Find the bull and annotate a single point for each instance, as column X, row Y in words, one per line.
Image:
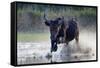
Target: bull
column 62, row 31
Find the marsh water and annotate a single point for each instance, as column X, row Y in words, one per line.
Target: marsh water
column 39, row 52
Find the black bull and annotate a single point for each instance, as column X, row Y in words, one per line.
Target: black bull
column 62, row 31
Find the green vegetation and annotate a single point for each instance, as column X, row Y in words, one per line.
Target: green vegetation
column 32, row 37
column 56, row 10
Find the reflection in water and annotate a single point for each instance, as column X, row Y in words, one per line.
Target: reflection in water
column 39, row 52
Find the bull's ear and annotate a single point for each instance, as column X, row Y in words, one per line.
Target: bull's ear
column 47, row 23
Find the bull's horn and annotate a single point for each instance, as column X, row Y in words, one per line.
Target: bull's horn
column 45, row 17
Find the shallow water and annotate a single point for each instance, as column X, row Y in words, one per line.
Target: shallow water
column 39, row 52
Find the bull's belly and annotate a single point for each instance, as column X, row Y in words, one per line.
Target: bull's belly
column 70, row 34
column 70, row 37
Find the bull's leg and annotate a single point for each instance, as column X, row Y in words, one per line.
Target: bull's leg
column 65, row 35
column 77, row 40
column 54, row 46
column 65, row 41
column 77, row 35
column 58, row 40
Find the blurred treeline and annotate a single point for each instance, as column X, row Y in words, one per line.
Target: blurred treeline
column 30, row 16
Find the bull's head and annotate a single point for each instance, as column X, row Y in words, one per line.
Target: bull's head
column 54, row 26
